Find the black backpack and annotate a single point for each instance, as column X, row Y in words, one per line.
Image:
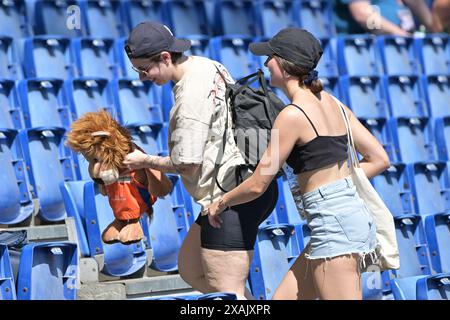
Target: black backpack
column 253, row 111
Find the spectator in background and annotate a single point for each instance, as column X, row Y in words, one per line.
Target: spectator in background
column 393, row 17
column 441, row 15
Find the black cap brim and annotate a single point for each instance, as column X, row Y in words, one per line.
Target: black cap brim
column 180, row 45
column 261, row 49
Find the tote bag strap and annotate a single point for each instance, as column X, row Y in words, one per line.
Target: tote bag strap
column 352, row 154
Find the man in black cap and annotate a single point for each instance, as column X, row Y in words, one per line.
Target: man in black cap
column 210, row 259
column 311, row 137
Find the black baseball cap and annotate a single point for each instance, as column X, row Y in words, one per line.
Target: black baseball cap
column 292, row 44
column 149, row 38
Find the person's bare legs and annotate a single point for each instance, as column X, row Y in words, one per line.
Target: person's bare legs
column 190, row 264
column 298, row 283
column 338, row 278
column 227, row 271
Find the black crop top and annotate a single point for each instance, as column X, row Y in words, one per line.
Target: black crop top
column 317, row 153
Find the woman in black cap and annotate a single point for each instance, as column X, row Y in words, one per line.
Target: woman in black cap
column 311, row 136
column 210, row 259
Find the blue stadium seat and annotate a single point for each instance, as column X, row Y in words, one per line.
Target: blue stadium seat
column 235, row 18
column 104, row 13
column 44, row 103
column 147, row 137
column 217, row 296
column 405, row 288
column 7, row 286
column 437, row 230
column 48, row 271
column 73, row 196
column 162, row 235
column 274, row 15
column 45, row 153
column 187, row 17
column 270, row 261
column 233, row 53
column 137, row 102
column 413, row 139
column 286, row 208
column 405, row 96
column 51, row 17
column 332, row 85
column 437, row 91
column 122, row 60
column 10, row 116
column 435, row 287
column 327, row 66
column 9, row 66
column 199, row 46
column 380, row 129
column 434, row 53
column 48, row 56
column 393, row 186
column 95, row 57
column 429, row 181
column 192, row 208
column 443, row 138
column 178, row 204
column 119, row 260
column 398, row 55
column 315, row 16
column 365, row 96
column 412, row 246
column 357, row 55
column 14, row 19
column 16, row 204
column 137, row 11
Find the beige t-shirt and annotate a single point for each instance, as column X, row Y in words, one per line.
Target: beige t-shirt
column 196, row 126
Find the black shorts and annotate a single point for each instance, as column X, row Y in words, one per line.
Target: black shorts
column 240, row 223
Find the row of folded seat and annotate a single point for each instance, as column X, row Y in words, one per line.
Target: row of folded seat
column 358, row 55
column 185, row 17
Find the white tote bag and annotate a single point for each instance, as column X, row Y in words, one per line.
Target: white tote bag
column 387, row 249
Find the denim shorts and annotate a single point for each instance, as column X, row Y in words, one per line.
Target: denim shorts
column 340, row 223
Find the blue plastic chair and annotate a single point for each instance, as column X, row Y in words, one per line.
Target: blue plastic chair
column 393, row 186
column 122, row 60
column 178, row 204
column 119, row 260
column 187, row 17
column 380, row 129
column 95, row 57
column 163, row 235
column 104, row 13
column 16, row 204
column 44, row 103
column 233, row 53
column 365, row 96
column 437, row 229
column 357, row 55
column 48, row 271
column 45, row 153
column 429, row 181
column 48, row 56
column 14, row 18
column 199, row 46
column 235, row 18
column 435, row 287
column 332, row 85
column 137, row 11
column 315, row 16
column 327, row 66
column 7, row 286
column 434, row 53
column 274, row 15
column 405, row 96
column 270, row 260
column 52, row 17
column 10, row 116
column 413, row 139
column 437, row 92
column 398, row 55
column 405, row 288
column 137, row 102
column 9, row 66
column 443, row 138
